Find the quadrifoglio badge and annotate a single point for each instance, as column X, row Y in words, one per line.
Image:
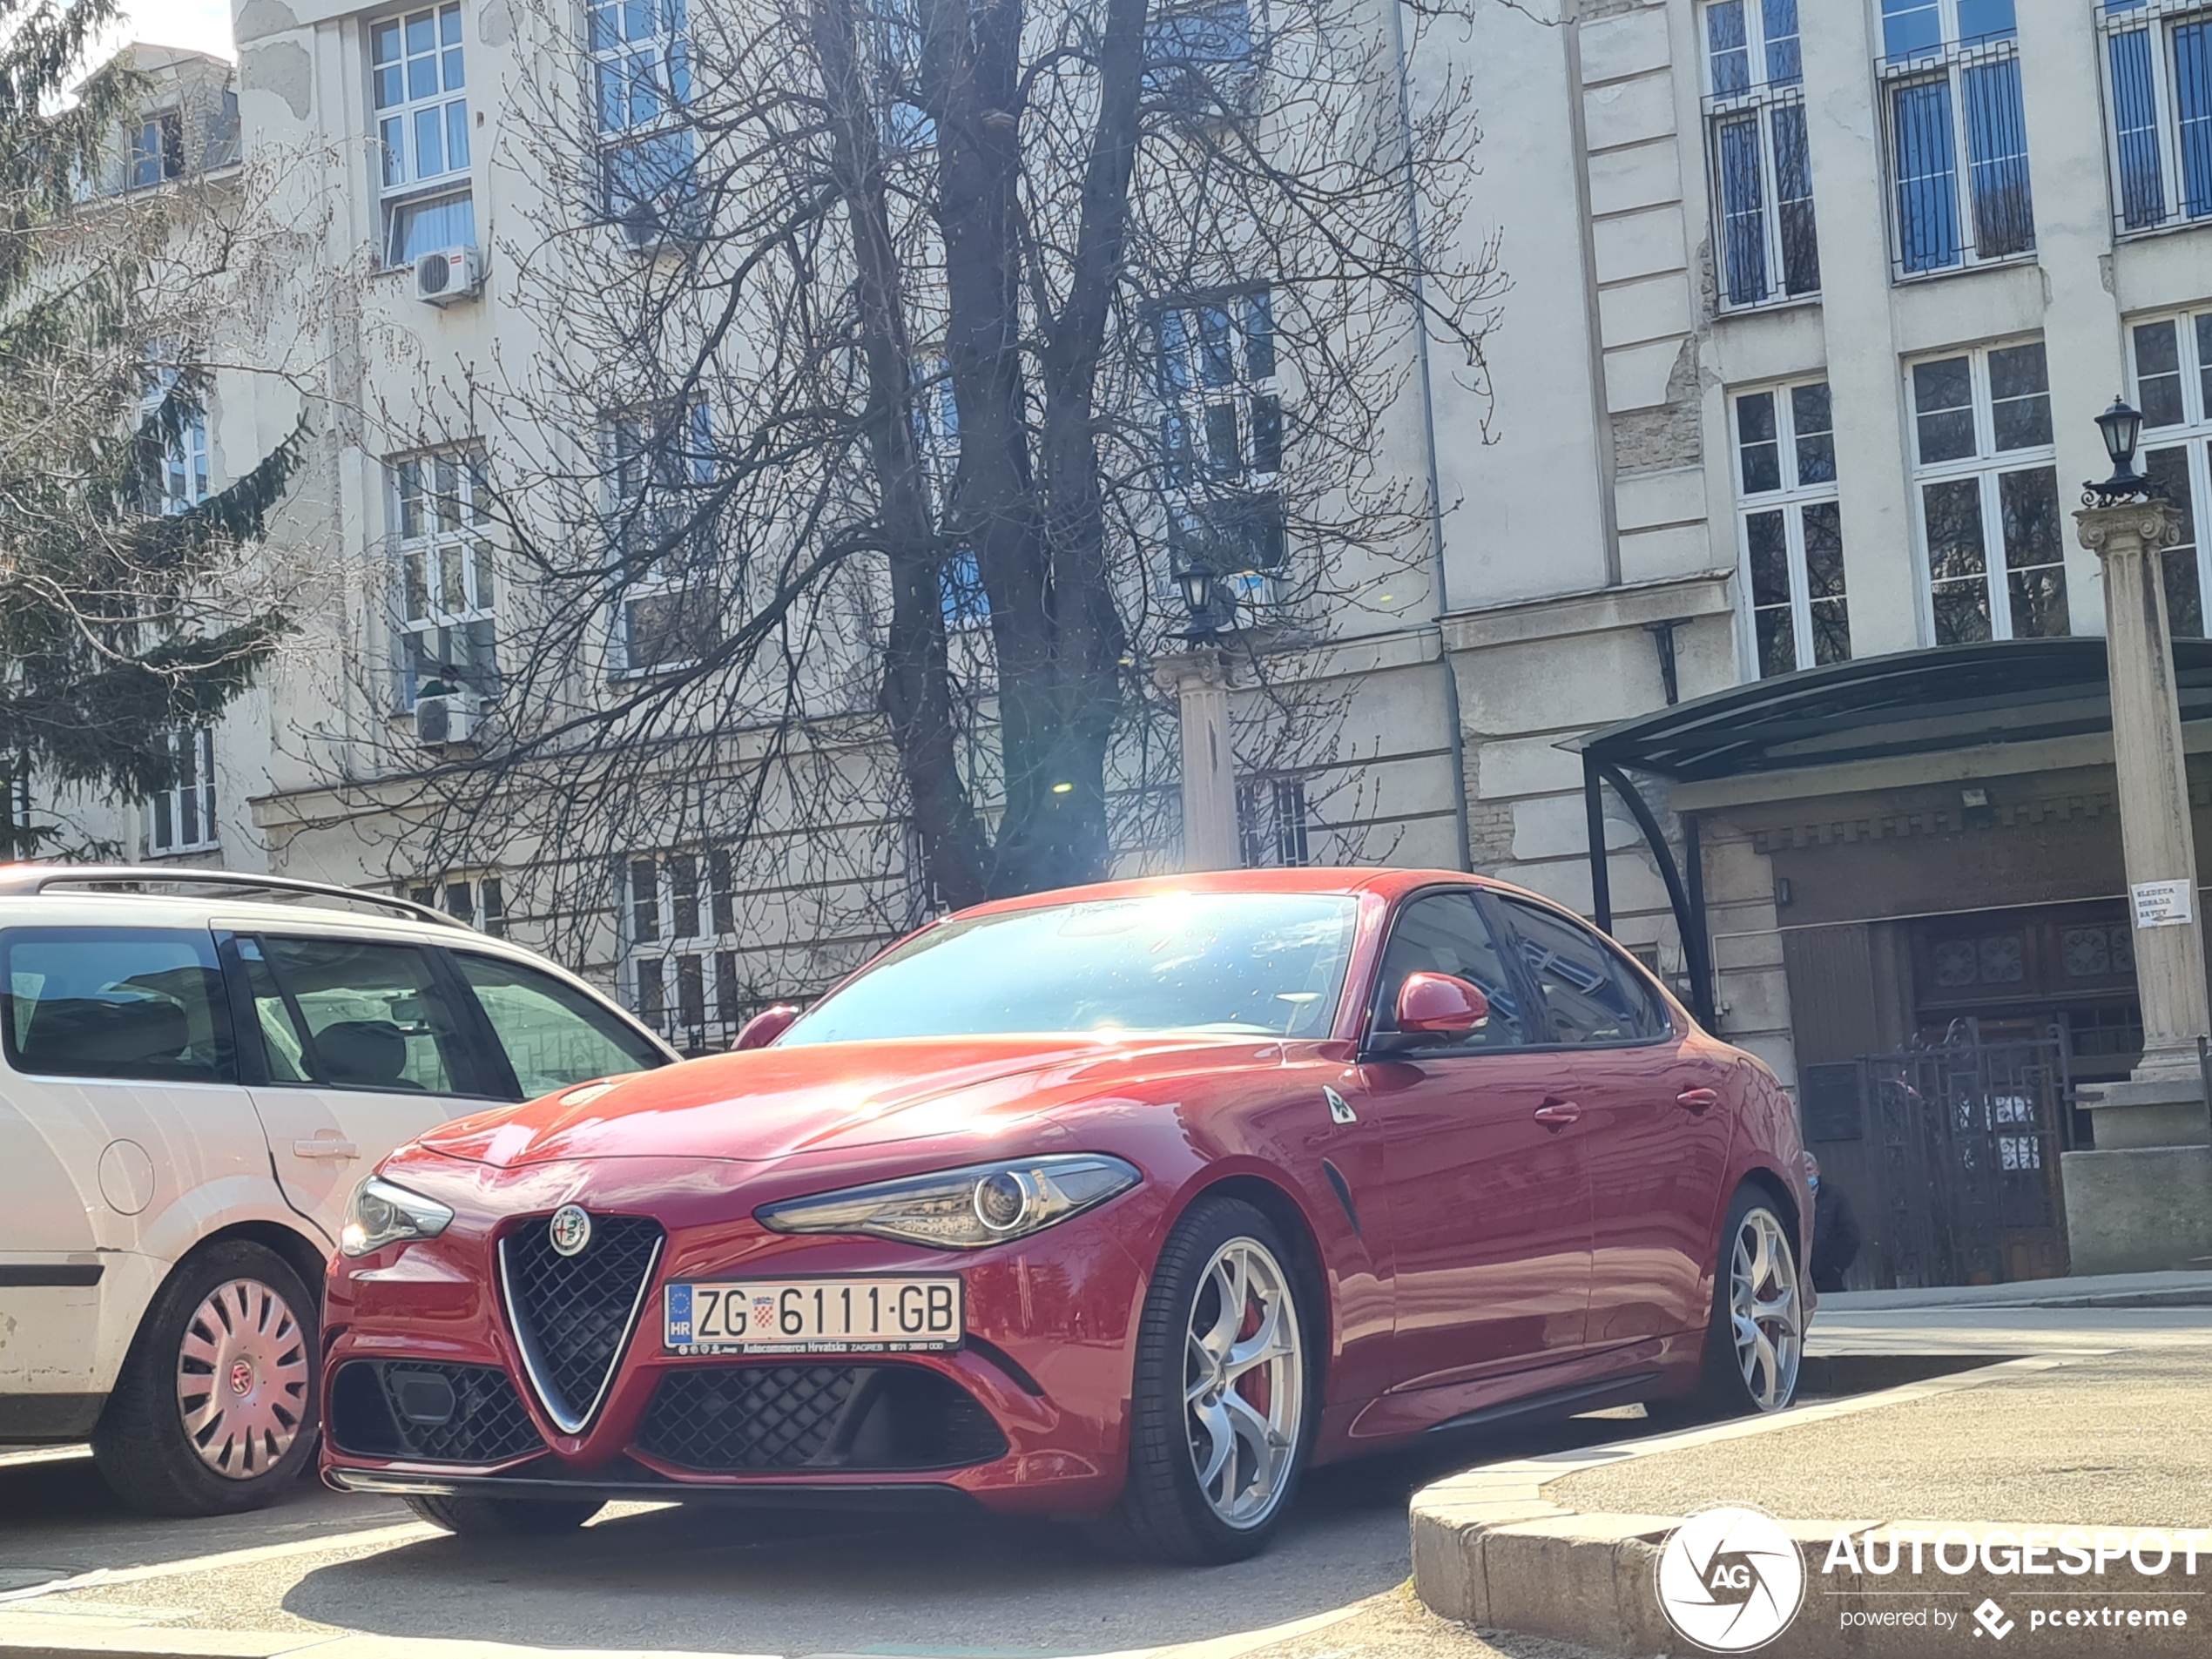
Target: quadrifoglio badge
column 1730, row 1579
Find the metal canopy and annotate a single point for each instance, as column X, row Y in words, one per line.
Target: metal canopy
column 1913, row 702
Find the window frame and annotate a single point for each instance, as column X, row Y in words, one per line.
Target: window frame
column 665, row 52
column 630, row 512
column 484, row 908
column 1790, row 500
column 2192, row 434
column 469, row 542
column 714, row 947
column 486, row 1031
column 1760, row 100
column 1276, row 824
column 222, row 1013
column 411, row 190
column 2160, row 21
column 201, row 785
column 1198, row 486
column 1643, row 980
column 1988, row 465
column 1948, row 63
column 1376, row 1021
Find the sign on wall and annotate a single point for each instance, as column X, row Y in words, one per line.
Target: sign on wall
column 2161, row 904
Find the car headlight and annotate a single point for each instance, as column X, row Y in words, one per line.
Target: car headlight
column 962, row 1209
column 382, row 1214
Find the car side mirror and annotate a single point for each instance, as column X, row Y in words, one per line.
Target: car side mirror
column 766, row 1027
column 1432, row 1008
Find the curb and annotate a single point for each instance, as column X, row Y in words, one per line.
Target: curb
column 1490, row 1550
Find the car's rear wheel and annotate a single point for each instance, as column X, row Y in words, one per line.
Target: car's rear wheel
column 1756, row 1338
column 1221, row 1408
column 505, row 1517
column 215, row 1410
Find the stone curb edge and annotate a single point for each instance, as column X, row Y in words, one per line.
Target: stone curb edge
column 1490, row 1550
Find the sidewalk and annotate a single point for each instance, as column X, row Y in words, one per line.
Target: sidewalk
column 2110, row 1289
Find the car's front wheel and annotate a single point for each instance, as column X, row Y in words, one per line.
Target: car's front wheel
column 214, row 1410
column 505, row 1517
column 1222, row 1401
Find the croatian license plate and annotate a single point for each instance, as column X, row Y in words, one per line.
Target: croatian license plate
column 814, row 1316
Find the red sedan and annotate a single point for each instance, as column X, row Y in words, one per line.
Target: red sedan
column 1136, row 1200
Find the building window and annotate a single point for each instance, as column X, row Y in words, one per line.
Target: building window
column 184, row 478
column 421, row 114
column 2157, row 61
column 1273, row 823
column 1760, row 174
column 157, row 150
column 1789, row 526
column 668, row 607
column 480, row 901
column 641, row 79
column 1990, row 520
column 1221, row 438
column 683, row 971
column 2171, row 358
column 448, row 587
column 183, row 814
column 1957, row 136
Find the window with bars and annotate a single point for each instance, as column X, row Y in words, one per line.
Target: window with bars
column 1274, row 825
column 1991, row 526
column 2171, row 359
column 1221, row 434
column 421, row 109
column 1790, row 526
column 2157, row 62
column 448, row 586
column 1957, row 134
column 642, row 81
column 181, row 818
column 1760, row 173
column 667, row 606
column 683, row 970
column 479, row 898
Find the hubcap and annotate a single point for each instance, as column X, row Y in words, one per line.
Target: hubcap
column 242, row 1379
column 1243, row 1382
column 1764, row 1309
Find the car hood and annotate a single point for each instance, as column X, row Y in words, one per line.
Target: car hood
column 771, row 1103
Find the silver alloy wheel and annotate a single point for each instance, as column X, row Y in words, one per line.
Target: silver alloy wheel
column 1765, row 1309
column 1243, row 1382
column 242, row 1379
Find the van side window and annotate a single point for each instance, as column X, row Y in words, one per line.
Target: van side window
column 126, row 1002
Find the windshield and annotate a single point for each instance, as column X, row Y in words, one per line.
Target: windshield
column 1262, row 964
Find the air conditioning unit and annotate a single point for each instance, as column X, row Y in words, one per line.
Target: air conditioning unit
column 446, row 720
column 448, row 276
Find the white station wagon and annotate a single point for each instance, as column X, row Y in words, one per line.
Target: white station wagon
column 193, row 1087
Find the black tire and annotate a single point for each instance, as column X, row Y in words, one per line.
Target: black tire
column 506, row 1517
column 1722, row 1389
column 1163, row 1513
column 142, row 1443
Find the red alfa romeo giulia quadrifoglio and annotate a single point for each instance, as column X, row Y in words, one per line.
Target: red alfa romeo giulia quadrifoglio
column 1136, row 1198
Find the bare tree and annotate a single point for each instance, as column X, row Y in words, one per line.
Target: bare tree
column 879, row 362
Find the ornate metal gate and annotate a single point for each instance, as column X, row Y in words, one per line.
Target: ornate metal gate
column 1961, row 1147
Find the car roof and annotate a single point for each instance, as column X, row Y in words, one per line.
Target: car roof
column 1350, row 879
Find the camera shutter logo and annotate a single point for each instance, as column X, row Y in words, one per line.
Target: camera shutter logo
column 1729, row 1579
column 569, row 1230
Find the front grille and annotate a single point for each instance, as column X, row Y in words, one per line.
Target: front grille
column 723, row 1419
column 572, row 1314
column 432, row 1413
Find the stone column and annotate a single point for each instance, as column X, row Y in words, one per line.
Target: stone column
column 2143, row 1198
column 1200, row 680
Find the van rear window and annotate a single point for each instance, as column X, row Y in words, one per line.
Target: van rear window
column 129, row 1002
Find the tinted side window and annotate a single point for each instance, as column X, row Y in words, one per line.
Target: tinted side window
column 360, row 1014
column 553, row 1034
column 1591, row 995
column 115, row 1002
column 1444, row 932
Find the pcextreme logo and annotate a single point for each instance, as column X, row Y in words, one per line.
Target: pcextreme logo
column 1729, row 1579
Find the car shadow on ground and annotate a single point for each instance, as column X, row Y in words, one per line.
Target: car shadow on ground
column 814, row 1584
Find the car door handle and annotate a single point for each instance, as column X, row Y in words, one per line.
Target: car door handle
column 319, row 1148
column 1698, row 1100
column 1558, row 1114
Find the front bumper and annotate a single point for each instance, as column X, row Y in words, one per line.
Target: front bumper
column 425, row 1390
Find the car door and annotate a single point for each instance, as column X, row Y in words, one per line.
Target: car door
column 549, row 1034
column 122, row 1105
column 1489, row 1204
column 362, row 1044
column 1654, row 1131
